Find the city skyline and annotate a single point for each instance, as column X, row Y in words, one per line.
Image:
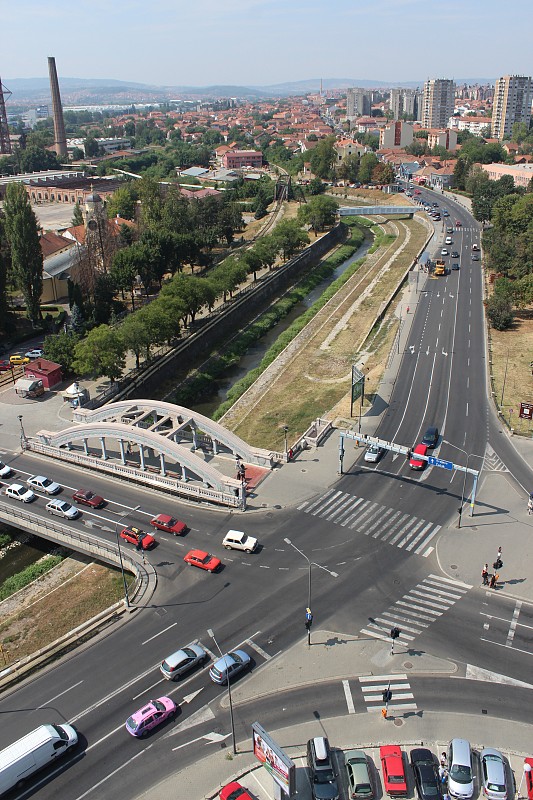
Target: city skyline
column 264, row 42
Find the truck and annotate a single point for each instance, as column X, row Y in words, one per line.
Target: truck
column 29, row 387
column 440, row 267
column 37, row 749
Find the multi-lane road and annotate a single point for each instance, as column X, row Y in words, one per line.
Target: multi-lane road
column 375, row 529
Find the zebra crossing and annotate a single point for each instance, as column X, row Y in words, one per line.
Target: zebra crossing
column 406, row 531
column 492, row 462
column 417, row 609
column 373, row 686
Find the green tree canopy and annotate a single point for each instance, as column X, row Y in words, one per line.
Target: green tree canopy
column 323, row 157
column 22, row 231
column 319, row 212
column 101, row 353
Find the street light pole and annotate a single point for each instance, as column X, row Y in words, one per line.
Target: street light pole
column 23, row 439
column 468, row 455
column 212, row 635
column 125, row 584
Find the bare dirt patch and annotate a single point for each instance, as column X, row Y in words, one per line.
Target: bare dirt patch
column 512, row 353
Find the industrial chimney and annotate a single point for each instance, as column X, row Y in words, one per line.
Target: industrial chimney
column 60, row 139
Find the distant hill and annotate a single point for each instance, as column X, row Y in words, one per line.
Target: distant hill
column 78, row 91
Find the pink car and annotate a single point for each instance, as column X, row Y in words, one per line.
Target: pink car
column 150, row 716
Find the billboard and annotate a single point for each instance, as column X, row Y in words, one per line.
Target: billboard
column 274, row 760
column 526, row 411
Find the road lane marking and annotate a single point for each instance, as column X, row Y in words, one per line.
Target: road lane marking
column 159, row 634
column 509, row 647
column 348, row 696
column 51, row 700
column 512, row 626
column 112, row 774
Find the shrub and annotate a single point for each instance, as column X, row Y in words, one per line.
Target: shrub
column 500, row 312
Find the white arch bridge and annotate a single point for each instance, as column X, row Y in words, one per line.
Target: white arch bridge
column 158, row 444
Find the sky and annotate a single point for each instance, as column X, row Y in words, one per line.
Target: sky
column 263, row 42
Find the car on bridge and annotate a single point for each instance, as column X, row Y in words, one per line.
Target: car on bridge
column 5, row 470
column 87, row 498
column 203, row 560
column 62, row 509
column 19, row 492
column 141, row 540
column 393, row 770
column 150, row 716
column 164, row 522
column 43, row 484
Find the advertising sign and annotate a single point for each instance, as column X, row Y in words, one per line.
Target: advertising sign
column 274, row 760
column 526, row 411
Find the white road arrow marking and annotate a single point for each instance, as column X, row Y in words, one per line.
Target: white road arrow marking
column 444, row 352
column 412, row 349
column 189, row 697
column 210, row 738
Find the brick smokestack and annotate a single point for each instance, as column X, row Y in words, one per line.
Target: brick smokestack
column 60, row 139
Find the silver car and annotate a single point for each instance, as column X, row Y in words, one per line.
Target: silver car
column 373, row 453
column 62, row 509
column 174, row 666
column 43, row 484
column 493, row 774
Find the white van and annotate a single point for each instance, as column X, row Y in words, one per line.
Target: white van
column 460, row 777
column 18, row 761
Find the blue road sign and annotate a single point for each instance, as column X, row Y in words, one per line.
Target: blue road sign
column 439, row 462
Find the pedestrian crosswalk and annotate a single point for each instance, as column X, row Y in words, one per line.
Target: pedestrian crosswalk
column 417, row 609
column 373, row 686
column 411, row 533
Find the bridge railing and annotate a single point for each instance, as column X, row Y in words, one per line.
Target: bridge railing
column 174, row 485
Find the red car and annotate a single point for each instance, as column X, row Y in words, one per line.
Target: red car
column 418, row 463
column 5, row 366
column 87, row 498
column 163, row 522
column 141, row 540
column 234, row 791
column 392, row 767
column 529, row 777
column 199, row 558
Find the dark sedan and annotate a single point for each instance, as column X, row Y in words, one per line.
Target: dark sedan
column 423, row 763
column 87, row 498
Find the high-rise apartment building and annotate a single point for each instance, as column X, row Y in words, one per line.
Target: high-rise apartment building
column 438, row 101
column 405, row 103
column 357, row 103
column 512, row 103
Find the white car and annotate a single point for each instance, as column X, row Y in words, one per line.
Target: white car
column 448, row 240
column 37, row 353
column 373, row 453
column 19, row 492
column 238, row 540
column 62, row 509
column 444, row 252
column 43, row 484
column 5, row 471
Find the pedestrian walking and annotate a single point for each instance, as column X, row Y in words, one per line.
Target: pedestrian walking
column 530, row 504
column 498, row 564
column 443, row 759
column 485, row 578
column 494, row 580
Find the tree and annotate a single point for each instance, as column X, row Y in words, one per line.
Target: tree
column 77, row 322
column 101, row 353
column 266, row 249
column 77, row 215
column 122, row 203
column 103, row 295
column 123, row 271
column 26, row 256
column 4, row 265
column 316, row 186
column 500, row 312
column 323, row 157
column 383, row 173
column 289, row 237
column 92, row 148
column 136, row 335
column 61, row 347
column 348, row 170
column 319, row 212
column 368, row 163
column 35, row 159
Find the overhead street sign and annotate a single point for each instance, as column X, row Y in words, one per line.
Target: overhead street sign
column 439, row 462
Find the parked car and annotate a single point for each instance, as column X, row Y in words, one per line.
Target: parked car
column 393, row 770
column 426, row 775
column 182, row 661
column 43, row 484
column 234, row 791
column 19, row 492
column 141, row 540
column 238, row 540
column 5, row 470
column 359, row 783
column 418, row 463
column 373, row 453
column 36, row 353
column 150, row 716
column 460, row 774
column 323, row 778
column 431, row 436
column 203, row 560
column 62, row 509
column 164, row 522
column 493, row 774
column 87, row 498
column 17, row 359
column 229, row 666
column 5, row 366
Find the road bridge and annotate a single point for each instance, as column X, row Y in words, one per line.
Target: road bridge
column 158, row 444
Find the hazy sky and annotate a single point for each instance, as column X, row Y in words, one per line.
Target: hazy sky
column 259, row 42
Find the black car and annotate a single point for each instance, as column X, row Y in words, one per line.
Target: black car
column 475, row 257
column 455, row 266
column 455, row 254
column 423, row 763
column 431, row 437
